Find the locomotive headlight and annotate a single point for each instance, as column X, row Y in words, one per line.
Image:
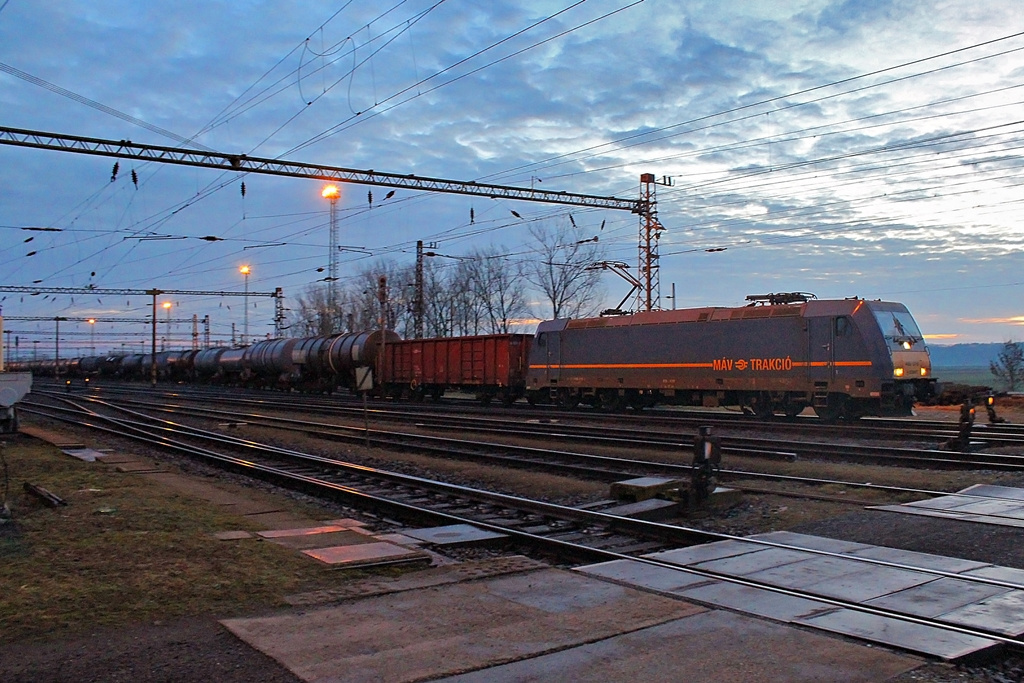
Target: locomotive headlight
column 907, row 345
column 924, row 371
column 898, row 372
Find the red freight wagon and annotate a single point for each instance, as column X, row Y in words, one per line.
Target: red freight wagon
column 490, row 366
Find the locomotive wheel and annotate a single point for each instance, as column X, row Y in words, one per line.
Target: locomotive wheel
column 835, row 409
column 794, row 408
column 567, row 400
column 759, row 405
column 612, row 402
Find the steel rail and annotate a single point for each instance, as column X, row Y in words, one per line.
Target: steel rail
column 998, row 434
column 737, row 445
column 597, row 466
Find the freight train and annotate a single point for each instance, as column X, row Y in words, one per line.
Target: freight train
column 781, row 353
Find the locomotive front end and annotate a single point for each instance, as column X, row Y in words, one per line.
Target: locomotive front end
column 911, row 363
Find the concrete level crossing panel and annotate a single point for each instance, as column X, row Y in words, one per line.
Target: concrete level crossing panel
column 993, row 491
column 917, row 586
column 951, row 515
column 868, row 583
column 905, row 635
column 910, row 558
column 1008, row 575
column 750, row 563
column 643, row 575
column 703, row 553
column 829, row 545
column 812, row 571
column 757, row 601
column 711, row 646
column 936, row 597
column 982, row 503
column 1003, row 613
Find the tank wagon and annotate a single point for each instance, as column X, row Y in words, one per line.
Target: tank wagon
column 781, row 353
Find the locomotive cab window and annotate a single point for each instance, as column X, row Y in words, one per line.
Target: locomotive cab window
column 900, row 330
column 843, row 326
column 542, row 339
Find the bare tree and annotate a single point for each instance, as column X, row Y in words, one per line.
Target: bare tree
column 1009, row 368
column 497, row 285
column 312, row 315
column 440, row 297
column 468, row 309
column 371, row 306
column 563, row 270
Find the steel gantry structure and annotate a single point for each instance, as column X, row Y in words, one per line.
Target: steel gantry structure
column 644, row 206
column 194, row 320
column 126, row 149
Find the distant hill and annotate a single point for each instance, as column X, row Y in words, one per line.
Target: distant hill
column 964, row 355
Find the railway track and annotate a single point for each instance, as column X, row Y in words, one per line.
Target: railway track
column 875, row 429
column 566, row 533
column 636, row 435
column 567, row 463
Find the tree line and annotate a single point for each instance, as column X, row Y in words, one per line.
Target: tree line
column 1009, row 367
column 486, row 291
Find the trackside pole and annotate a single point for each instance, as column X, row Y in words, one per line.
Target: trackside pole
column 364, row 383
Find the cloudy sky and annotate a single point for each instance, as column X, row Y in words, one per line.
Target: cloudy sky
column 865, row 148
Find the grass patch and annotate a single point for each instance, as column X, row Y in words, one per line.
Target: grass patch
column 974, row 376
column 126, row 550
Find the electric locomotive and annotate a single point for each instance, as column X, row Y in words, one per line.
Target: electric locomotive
column 781, row 353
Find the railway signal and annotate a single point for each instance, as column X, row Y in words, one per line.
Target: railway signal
column 707, row 462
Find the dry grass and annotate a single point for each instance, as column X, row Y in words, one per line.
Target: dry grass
column 125, row 550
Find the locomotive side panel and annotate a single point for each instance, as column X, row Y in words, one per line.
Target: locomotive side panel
column 712, row 355
column 824, row 354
